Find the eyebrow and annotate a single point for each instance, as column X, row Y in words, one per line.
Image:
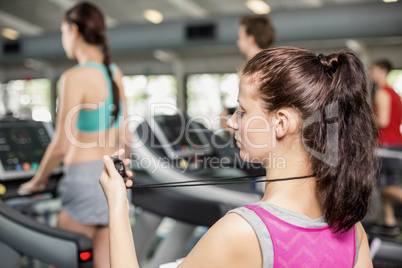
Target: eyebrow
column 240, row 104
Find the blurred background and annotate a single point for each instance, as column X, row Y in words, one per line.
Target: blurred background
column 182, row 52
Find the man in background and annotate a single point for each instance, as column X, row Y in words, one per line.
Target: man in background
column 388, row 111
column 255, row 34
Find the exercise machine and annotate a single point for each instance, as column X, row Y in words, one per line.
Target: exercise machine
column 22, row 145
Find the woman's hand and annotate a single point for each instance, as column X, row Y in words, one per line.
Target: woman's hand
column 113, row 184
column 31, row 186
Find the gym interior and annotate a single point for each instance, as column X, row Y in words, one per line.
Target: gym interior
column 179, row 73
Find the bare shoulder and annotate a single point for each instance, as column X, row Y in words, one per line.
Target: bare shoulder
column 73, row 72
column 118, row 72
column 360, row 231
column 73, row 76
column 79, row 80
column 118, row 76
column 363, row 257
column 381, row 95
column 66, row 74
column 231, row 242
column 67, row 78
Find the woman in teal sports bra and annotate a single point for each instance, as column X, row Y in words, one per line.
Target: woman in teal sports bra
column 90, row 123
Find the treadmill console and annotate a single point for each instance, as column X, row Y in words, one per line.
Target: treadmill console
column 180, row 137
column 22, row 146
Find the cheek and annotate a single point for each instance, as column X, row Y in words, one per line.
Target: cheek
column 239, row 42
column 64, row 41
column 67, row 45
column 256, row 131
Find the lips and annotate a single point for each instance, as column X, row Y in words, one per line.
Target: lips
column 238, row 143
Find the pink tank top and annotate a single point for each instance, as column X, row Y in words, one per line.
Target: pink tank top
column 296, row 246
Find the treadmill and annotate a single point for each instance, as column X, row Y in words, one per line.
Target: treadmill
column 22, row 145
column 389, row 253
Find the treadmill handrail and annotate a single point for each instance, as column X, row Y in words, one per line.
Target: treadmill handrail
column 167, row 203
column 26, row 246
column 388, row 153
column 83, row 242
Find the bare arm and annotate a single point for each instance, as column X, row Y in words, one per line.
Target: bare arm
column 382, row 102
column 125, row 135
column 363, row 257
column 122, row 250
column 59, row 145
column 231, row 242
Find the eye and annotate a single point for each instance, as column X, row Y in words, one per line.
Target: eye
column 239, row 112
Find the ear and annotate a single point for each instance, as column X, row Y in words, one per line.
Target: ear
column 74, row 29
column 285, row 122
column 251, row 39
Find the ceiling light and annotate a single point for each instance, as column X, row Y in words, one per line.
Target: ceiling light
column 354, row 45
column 165, row 56
column 389, row 1
column 258, row 6
column 153, row 16
column 10, row 33
column 190, row 7
column 24, row 27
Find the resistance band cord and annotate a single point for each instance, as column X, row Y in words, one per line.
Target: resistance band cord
column 215, row 181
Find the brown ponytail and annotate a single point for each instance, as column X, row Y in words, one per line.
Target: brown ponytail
column 345, row 189
column 115, row 89
column 91, row 24
column 338, row 130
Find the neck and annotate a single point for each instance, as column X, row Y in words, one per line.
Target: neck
column 252, row 52
column 89, row 53
column 298, row 195
column 382, row 82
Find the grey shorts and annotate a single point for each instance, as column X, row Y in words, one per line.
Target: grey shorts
column 82, row 195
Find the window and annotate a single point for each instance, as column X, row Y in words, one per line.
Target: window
column 27, row 99
column 395, row 80
column 207, row 94
column 149, row 95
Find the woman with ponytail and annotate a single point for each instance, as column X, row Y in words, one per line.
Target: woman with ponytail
column 303, row 116
column 89, row 124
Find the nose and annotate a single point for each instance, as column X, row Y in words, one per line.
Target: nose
column 232, row 122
